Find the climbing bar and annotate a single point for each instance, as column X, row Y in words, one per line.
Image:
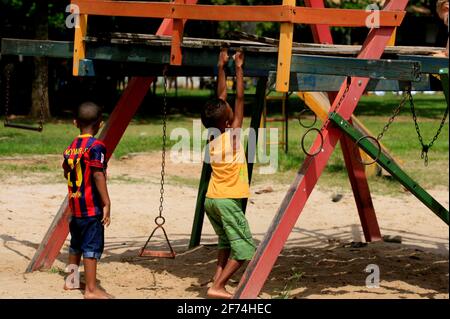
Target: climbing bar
column 269, row 13
column 389, row 165
column 205, row 56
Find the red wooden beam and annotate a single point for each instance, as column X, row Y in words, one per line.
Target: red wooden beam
column 345, row 103
column 355, row 169
column 176, row 55
column 124, row 111
column 361, row 190
column 321, row 32
column 274, row 13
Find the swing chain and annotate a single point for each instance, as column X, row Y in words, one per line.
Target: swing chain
column 395, row 113
column 425, row 147
column 43, row 86
column 163, row 162
column 7, row 98
column 7, row 89
column 344, row 95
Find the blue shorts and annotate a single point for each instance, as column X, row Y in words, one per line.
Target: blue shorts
column 87, row 236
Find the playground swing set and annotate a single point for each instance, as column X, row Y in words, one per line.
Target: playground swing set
column 287, row 68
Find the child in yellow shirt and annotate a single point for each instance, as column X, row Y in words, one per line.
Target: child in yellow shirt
column 229, row 179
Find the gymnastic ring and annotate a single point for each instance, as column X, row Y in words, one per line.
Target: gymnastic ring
column 319, row 132
column 300, row 118
column 356, row 147
column 159, row 220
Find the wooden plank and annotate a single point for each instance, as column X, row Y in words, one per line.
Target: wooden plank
column 274, row 13
column 199, row 215
column 328, row 48
column 382, row 69
column 344, row 18
column 64, row 49
column 206, row 57
column 302, row 82
column 431, row 65
column 79, row 48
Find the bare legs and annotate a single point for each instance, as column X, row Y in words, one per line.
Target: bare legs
column 74, row 260
column 90, row 271
column 222, row 259
column 225, row 270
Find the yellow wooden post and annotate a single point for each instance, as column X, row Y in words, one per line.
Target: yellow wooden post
column 79, row 48
column 285, row 53
column 393, row 38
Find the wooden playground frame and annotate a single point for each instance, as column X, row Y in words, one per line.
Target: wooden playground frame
column 337, row 128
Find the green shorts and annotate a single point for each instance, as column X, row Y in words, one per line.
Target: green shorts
column 231, row 226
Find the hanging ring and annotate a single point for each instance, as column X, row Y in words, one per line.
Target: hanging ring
column 321, row 142
column 159, row 220
column 356, row 148
column 300, row 118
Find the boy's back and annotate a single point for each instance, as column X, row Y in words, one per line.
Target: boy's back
column 80, row 156
column 229, row 177
column 85, row 170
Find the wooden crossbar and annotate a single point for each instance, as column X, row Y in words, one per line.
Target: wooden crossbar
column 272, row 13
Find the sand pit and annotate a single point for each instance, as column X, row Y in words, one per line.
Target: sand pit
column 317, row 262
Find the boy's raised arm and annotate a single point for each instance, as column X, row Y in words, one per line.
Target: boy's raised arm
column 239, row 105
column 221, row 76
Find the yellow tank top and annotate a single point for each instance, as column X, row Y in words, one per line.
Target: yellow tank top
column 229, row 178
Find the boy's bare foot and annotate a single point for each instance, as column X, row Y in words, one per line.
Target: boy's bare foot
column 97, row 294
column 214, row 293
column 82, row 287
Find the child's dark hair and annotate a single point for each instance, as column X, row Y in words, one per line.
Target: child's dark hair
column 213, row 112
column 88, row 114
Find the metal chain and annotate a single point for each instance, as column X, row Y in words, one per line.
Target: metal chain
column 43, row 86
column 425, row 147
column 7, row 88
column 344, row 95
column 395, row 113
column 164, row 139
column 7, row 98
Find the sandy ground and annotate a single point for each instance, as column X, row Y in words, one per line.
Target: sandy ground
column 317, row 262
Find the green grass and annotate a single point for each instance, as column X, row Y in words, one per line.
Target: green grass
column 144, row 135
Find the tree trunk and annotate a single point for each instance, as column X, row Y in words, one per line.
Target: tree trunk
column 39, row 93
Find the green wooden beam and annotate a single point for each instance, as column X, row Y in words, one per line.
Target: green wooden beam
column 303, row 82
column 389, row 165
column 207, row 57
column 199, row 214
column 429, row 64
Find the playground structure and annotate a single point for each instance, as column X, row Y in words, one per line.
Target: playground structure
column 288, row 68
